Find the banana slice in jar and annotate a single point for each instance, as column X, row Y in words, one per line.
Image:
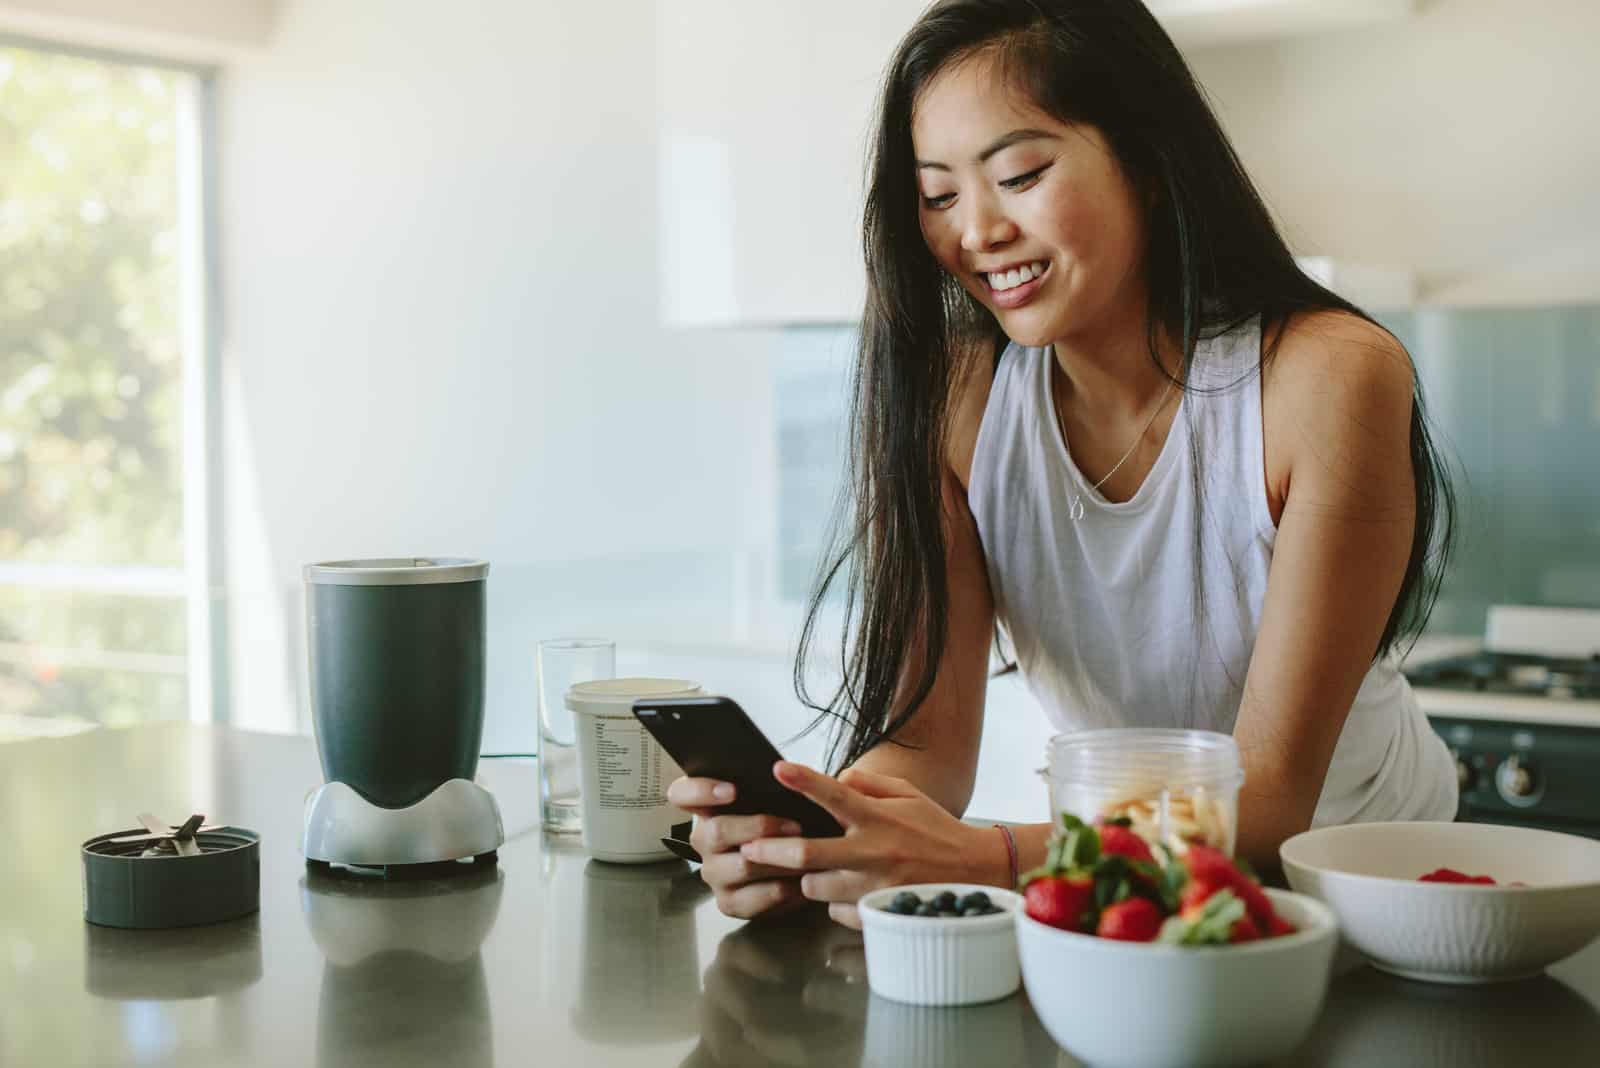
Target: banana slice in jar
column 1192, row 817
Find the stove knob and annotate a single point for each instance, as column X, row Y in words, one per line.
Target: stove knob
column 1466, row 778
column 1516, row 781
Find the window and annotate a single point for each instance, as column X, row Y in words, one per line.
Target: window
column 104, row 538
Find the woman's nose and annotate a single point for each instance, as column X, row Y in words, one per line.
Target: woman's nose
column 985, row 228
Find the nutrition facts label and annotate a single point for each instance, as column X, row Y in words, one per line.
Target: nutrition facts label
column 629, row 766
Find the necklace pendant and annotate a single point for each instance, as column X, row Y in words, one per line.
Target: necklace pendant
column 1076, row 511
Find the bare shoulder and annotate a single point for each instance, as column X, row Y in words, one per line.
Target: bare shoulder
column 969, row 397
column 1337, row 394
column 1321, row 348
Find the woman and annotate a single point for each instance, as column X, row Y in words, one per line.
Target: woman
column 1098, row 404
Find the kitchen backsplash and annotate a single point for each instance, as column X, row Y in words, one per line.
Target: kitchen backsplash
column 1514, row 399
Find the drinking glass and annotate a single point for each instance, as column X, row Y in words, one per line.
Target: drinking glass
column 562, row 662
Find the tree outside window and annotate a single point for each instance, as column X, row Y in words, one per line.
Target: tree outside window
column 93, row 616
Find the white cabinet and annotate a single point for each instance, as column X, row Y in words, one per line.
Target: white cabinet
column 763, row 117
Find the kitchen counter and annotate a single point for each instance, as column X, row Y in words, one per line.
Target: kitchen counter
column 548, row 958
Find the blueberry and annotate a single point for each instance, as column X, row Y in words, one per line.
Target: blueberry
column 975, row 900
column 905, row 903
column 927, row 909
column 944, row 901
column 992, row 910
column 974, row 910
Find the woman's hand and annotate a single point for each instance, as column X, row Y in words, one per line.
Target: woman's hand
column 743, row 889
column 893, row 834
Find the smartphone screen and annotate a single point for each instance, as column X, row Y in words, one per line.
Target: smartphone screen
column 713, row 738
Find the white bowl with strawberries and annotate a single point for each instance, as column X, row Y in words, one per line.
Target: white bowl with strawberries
column 1135, row 958
column 1453, row 902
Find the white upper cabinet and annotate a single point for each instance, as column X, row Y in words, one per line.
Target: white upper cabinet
column 763, row 117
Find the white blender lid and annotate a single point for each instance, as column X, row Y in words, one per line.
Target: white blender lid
column 397, row 571
column 615, row 697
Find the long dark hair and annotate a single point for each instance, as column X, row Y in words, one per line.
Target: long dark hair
column 1213, row 260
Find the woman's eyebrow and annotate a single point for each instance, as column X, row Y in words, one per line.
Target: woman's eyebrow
column 999, row 145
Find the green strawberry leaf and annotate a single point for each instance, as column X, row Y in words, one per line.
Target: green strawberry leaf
column 1222, row 910
column 1213, row 927
column 1111, row 881
column 1080, row 843
column 1169, row 885
column 1173, row 931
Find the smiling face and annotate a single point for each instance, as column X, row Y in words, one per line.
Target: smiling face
column 1035, row 217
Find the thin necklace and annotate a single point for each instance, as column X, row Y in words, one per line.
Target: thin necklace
column 1076, row 511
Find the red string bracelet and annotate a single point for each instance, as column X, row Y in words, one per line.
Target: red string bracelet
column 1011, row 853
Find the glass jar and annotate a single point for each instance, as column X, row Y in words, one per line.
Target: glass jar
column 1173, row 786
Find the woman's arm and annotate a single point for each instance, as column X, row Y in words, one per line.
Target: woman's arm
column 1336, row 425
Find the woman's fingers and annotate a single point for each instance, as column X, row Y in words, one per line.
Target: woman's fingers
column 722, row 834
column 760, row 898
column 845, row 887
column 727, row 871
column 845, row 914
column 842, row 803
column 687, row 793
column 803, row 854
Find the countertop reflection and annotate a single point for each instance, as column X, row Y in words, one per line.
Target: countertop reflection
column 547, row 957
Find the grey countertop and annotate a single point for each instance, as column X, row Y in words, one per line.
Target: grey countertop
column 547, row 959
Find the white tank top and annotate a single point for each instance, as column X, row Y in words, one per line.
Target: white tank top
column 1102, row 614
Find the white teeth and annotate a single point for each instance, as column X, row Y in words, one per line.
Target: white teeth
column 1016, row 276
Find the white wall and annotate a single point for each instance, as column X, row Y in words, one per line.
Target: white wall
column 1459, row 143
column 441, row 297
column 441, row 303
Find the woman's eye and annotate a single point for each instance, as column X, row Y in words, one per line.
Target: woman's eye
column 940, row 201
column 1024, row 179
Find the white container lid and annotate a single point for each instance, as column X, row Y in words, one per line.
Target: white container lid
column 615, row 697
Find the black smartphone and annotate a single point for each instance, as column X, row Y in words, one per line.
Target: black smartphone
column 713, row 738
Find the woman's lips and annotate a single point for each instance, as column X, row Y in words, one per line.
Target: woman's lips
column 1017, row 295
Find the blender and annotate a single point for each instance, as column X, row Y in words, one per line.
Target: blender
column 397, row 681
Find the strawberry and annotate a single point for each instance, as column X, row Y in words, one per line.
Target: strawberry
column 1117, row 840
column 1450, row 875
column 1277, row 925
column 1214, row 866
column 1136, row 919
column 1244, row 930
column 1219, row 919
column 1059, row 900
column 1196, row 892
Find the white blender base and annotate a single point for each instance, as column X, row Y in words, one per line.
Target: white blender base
column 459, row 819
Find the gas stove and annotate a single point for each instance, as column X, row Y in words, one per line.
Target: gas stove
column 1521, row 714
column 1519, row 674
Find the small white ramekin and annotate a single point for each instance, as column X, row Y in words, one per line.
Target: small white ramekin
column 929, row 960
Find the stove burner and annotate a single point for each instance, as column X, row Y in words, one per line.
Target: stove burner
column 1518, row 674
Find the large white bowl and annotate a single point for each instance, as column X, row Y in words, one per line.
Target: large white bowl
column 1142, row 1005
column 1452, row 933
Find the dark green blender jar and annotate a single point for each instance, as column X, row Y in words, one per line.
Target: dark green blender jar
column 396, row 652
